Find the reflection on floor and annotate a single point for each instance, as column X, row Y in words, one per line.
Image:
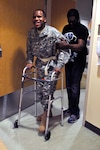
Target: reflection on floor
column 67, row 137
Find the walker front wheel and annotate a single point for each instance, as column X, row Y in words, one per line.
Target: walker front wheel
column 16, row 124
column 47, row 135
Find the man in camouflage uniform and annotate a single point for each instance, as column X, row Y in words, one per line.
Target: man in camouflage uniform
column 41, row 43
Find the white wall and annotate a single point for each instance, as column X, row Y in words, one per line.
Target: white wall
column 85, row 9
column 93, row 80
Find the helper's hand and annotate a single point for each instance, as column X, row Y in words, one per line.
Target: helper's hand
column 57, row 70
column 62, row 44
column 29, row 65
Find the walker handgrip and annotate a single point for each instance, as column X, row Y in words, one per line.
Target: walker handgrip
column 26, row 68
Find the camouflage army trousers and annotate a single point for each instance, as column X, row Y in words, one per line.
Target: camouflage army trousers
column 45, row 88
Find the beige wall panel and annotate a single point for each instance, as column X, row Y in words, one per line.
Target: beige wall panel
column 15, row 21
column 92, row 109
column 58, row 13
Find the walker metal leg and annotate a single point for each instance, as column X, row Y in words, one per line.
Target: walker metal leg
column 62, row 113
column 35, row 93
column 62, row 116
column 17, row 122
column 25, row 76
column 35, row 96
column 47, row 133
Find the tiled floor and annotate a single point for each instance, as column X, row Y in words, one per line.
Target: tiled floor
column 67, row 137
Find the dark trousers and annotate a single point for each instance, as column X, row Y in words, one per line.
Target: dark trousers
column 74, row 71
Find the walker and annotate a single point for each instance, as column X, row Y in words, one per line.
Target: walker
column 30, row 75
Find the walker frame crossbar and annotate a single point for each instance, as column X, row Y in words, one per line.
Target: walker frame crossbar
column 29, row 74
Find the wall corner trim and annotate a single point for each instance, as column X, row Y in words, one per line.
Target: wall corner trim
column 92, row 127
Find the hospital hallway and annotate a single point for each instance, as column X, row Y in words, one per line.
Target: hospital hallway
column 66, row 137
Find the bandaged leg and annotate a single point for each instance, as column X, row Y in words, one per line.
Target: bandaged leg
column 43, row 118
column 39, row 118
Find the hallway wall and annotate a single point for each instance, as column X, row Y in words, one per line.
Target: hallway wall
column 92, row 113
column 15, row 21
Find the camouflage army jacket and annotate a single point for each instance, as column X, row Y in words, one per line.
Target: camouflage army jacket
column 43, row 45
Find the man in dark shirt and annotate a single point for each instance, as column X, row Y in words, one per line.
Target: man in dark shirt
column 76, row 34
